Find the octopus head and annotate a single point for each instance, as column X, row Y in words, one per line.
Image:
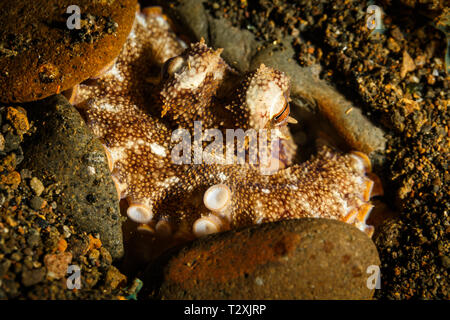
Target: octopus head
column 192, row 78
column 267, row 98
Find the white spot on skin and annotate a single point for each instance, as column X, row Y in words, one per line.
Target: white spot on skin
column 158, row 150
column 109, row 107
column 222, row 177
column 116, row 73
column 117, row 153
column 168, row 182
column 265, row 190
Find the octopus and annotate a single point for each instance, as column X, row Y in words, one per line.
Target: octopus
column 160, row 94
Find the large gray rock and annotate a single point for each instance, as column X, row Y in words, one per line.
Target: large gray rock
column 239, row 45
column 293, row 259
column 63, row 152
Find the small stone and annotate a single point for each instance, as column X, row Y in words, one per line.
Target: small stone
column 393, row 45
column 28, row 262
column 62, row 245
column 445, row 261
column 25, row 173
column 114, row 278
column 12, row 142
column 4, row 267
column 2, row 142
column 408, row 64
column 37, row 186
column 36, row 203
column 94, row 254
column 397, row 34
column 94, row 243
column 34, row 238
column 420, row 60
column 57, row 264
column 66, row 232
column 18, row 119
column 2, row 199
column 13, row 179
column 106, row 256
column 16, row 256
column 79, row 247
column 32, row 277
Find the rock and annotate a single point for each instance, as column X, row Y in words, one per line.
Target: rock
column 2, row 143
column 18, row 119
column 41, row 56
column 345, row 117
column 4, row 266
column 32, row 277
column 64, row 153
column 239, row 45
column 408, row 64
column 33, row 238
column 114, row 278
column 192, row 16
column 446, row 261
column 36, row 203
column 393, row 45
column 292, row 259
column 37, row 186
column 57, row 264
column 12, row 142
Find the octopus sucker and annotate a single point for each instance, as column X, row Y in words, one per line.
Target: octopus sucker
column 139, row 212
column 163, row 229
column 217, row 198
column 207, row 225
column 136, row 118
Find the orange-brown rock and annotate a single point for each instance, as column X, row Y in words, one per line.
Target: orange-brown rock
column 41, row 56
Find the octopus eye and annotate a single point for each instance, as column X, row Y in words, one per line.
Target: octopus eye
column 171, row 66
column 282, row 117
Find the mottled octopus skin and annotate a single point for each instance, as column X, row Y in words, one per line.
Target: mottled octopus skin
column 134, row 110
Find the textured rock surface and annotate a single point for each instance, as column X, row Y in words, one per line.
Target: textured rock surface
column 294, row 259
column 64, row 152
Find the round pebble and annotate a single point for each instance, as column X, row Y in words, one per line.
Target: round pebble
column 294, row 259
column 47, row 53
column 37, row 186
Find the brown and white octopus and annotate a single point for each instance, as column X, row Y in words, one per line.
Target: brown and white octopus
column 159, row 84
